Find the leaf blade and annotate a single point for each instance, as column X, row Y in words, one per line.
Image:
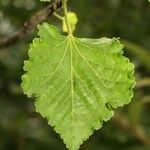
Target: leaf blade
column 74, row 80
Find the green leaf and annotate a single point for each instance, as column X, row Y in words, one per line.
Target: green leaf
column 77, row 82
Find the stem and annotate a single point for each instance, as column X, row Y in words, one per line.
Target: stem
column 58, row 16
column 64, row 3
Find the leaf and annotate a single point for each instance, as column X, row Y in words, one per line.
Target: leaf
column 73, row 20
column 77, row 82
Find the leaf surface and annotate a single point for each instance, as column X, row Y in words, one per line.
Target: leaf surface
column 77, row 82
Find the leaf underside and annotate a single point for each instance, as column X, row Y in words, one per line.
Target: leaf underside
column 77, row 82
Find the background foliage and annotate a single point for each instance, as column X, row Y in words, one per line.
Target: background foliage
column 21, row 128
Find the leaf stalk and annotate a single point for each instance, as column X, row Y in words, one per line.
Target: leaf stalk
column 58, row 16
column 64, row 3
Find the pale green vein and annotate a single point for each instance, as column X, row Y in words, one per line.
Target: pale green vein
column 92, row 48
column 61, row 60
column 87, row 63
column 82, row 101
column 60, row 89
column 86, row 86
column 71, row 72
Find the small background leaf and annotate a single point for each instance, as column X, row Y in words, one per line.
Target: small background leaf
column 73, row 19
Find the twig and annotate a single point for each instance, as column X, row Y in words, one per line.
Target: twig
column 145, row 82
column 136, row 130
column 146, row 99
column 30, row 24
column 139, row 52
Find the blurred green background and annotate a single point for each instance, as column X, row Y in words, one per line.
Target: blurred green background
column 21, row 128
